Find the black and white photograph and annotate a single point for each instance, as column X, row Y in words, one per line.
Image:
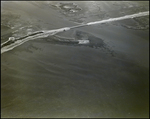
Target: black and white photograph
column 74, row 59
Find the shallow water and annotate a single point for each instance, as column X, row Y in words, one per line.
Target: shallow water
column 48, row 78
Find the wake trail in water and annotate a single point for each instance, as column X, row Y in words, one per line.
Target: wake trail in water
column 11, row 44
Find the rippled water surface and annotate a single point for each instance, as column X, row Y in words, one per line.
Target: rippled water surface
column 104, row 74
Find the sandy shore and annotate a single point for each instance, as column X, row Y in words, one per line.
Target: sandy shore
column 107, row 78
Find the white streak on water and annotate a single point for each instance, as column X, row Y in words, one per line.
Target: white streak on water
column 83, row 41
column 120, row 18
column 52, row 32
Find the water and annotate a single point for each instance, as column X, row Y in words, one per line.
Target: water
column 56, row 76
column 52, row 32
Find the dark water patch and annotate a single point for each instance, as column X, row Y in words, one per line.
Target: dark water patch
column 82, row 39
